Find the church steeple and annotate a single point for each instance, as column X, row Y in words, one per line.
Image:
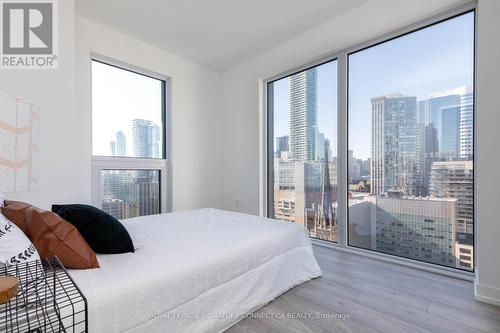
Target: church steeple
column 326, row 191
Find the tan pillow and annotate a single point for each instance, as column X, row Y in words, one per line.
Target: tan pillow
column 14, row 211
column 54, row 236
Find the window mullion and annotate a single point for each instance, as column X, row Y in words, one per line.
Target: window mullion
column 342, row 209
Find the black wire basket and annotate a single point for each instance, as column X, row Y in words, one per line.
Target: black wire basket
column 47, row 300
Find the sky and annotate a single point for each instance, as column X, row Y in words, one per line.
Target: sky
column 431, row 60
column 118, row 97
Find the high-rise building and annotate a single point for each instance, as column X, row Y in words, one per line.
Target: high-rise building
column 144, row 192
column 427, row 148
column 140, row 132
column 115, row 192
column 417, row 228
column 290, row 189
column 356, row 169
column 454, row 179
column 281, row 144
column 443, row 108
column 112, row 148
column 365, row 167
column 320, row 146
column 121, row 144
column 467, row 125
column 394, row 149
column 422, row 112
column 130, row 193
column 155, row 139
column 449, row 142
column 464, row 251
column 146, row 138
column 300, row 188
column 113, row 207
column 303, row 115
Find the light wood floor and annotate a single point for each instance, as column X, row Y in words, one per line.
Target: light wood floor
column 378, row 297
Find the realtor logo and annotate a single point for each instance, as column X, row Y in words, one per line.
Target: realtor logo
column 28, row 34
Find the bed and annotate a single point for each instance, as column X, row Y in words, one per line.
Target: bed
column 195, row 271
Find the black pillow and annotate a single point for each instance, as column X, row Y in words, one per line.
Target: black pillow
column 103, row 232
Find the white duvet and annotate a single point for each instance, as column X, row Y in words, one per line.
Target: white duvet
column 195, row 271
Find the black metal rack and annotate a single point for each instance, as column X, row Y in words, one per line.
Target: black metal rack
column 47, row 300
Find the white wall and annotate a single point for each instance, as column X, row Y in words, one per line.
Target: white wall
column 195, row 108
column 64, row 99
column 241, row 84
column 488, row 161
column 54, row 92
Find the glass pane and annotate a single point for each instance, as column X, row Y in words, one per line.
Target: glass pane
column 130, row 193
column 410, row 161
column 304, row 113
column 127, row 113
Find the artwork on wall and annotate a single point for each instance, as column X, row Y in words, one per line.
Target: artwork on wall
column 19, row 144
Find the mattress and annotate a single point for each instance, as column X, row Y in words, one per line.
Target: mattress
column 195, row 271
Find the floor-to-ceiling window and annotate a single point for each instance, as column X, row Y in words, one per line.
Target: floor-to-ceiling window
column 406, row 161
column 410, row 122
column 303, row 149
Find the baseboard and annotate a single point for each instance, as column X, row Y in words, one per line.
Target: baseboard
column 486, row 294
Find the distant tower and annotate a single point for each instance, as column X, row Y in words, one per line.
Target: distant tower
column 281, row 144
column 466, row 125
column 121, row 144
column 303, row 115
column 443, row 113
column 350, row 165
column 140, row 131
column 154, row 133
column 449, row 143
column 320, row 146
column 146, row 138
column 427, row 151
column 112, row 148
column 394, row 148
column 422, row 112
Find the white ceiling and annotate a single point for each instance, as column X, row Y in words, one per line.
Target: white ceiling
column 216, row 33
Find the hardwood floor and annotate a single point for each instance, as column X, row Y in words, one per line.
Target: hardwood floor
column 373, row 296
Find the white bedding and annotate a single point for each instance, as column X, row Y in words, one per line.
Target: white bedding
column 195, row 271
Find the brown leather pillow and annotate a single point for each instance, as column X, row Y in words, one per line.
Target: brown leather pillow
column 14, row 211
column 52, row 235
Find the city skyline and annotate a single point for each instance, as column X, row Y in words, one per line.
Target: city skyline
column 119, row 97
column 146, row 140
column 403, row 69
column 130, row 193
column 434, row 175
column 409, row 154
